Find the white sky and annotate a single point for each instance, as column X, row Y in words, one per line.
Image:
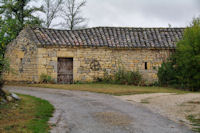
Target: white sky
column 140, row 13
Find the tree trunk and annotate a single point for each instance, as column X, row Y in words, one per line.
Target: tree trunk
column 2, row 93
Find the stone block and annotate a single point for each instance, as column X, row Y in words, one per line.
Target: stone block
column 52, row 53
column 20, row 54
column 65, row 54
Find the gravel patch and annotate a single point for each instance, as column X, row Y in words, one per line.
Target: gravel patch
column 113, row 118
column 173, row 106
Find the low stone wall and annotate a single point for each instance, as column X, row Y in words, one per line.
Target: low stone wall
column 91, row 63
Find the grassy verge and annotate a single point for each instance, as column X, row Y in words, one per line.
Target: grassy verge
column 195, row 123
column 29, row 115
column 109, row 88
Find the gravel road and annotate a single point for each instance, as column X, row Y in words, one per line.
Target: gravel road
column 85, row 112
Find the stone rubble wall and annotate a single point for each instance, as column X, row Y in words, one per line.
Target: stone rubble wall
column 29, row 62
column 92, row 63
column 22, row 54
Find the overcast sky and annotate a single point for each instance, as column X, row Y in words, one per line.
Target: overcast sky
column 140, row 13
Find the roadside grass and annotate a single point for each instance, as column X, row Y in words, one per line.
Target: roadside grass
column 195, row 123
column 29, row 115
column 111, row 89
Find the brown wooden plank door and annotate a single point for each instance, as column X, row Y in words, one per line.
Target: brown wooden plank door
column 65, row 70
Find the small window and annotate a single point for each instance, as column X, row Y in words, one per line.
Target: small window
column 145, row 65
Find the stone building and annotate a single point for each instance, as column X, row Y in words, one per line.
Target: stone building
column 87, row 54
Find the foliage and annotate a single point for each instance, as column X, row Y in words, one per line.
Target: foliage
column 166, row 74
column 7, row 34
column 183, row 67
column 44, row 78
column 195, row 123
column 4, row 67
column 106, row 78
column 122, row 77
column 128, row 77
column 20, row 11
column 15, row 14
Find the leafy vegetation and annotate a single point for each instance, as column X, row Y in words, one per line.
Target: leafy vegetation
column 182, row 69
column 21, row 12
column 195, row 123
column 128, row 77
column 29, row 115
column 122, row 77
column 44, row 78
column 15, row 14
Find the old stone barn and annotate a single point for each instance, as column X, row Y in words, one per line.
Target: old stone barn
column 87, row 54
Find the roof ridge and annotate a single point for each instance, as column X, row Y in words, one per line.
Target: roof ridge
column 32, row 27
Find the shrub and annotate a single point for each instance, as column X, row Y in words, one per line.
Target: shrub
column 122, row 77
column 105, row 79
column 128, row 77
column 44, row 78
column 183, row 69
column 167, row 74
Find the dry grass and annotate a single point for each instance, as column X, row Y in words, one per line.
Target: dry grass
column 107, row 88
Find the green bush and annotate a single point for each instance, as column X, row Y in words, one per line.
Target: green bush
column 122, row 77
column 183, row 68
column 44, row 78
column 167, row 74
column 128, row 77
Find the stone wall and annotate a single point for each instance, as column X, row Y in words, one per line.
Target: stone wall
column 21, row 54
column 90, row 63
column 28, row 62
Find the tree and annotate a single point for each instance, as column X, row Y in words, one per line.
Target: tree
column 72, row 14
column 188, row 56
column 186, row 60
column 21, row 11
column 6, row 35
column 52, row 9
column 15, row 14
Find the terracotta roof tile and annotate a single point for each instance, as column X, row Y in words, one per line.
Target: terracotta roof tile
column 115, row 37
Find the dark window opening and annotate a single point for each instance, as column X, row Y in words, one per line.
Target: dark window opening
column 146, row 66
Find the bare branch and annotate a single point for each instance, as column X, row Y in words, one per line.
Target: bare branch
column 52, row 9
column 72, row 14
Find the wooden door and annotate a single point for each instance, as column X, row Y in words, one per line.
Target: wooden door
column 65, row 70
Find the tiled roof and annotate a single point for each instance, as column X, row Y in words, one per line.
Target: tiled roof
column 113, row 37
